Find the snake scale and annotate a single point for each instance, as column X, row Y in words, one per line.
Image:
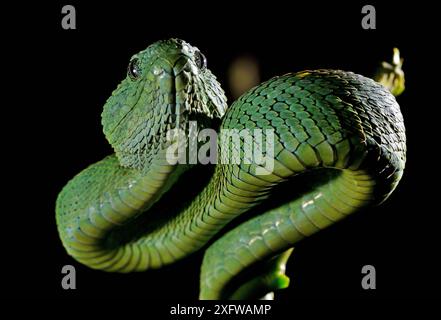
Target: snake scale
column 342, row 131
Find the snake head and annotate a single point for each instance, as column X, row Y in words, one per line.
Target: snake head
column 167, row 85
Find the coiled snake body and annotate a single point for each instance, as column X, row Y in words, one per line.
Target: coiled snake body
column 344, row 130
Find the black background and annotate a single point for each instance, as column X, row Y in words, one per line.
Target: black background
column 74, row 71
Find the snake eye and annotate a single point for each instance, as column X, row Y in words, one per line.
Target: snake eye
column 200, row 60
column 133, row 69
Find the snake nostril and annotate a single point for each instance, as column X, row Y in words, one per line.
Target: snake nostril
column 157, row 71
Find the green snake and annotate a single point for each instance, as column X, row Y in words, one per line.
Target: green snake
column 339, row 134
